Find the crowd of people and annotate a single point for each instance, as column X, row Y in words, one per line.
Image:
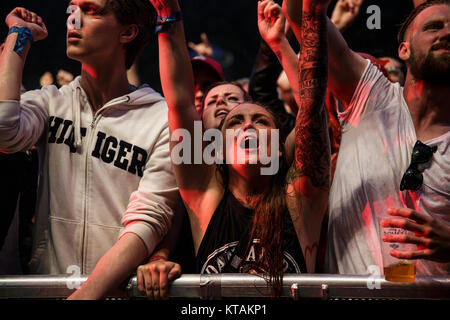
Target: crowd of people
column 306, row 166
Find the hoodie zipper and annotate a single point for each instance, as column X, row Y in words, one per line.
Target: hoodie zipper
column 95, row 119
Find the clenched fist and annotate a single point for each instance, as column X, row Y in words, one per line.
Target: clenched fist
column 21, row 17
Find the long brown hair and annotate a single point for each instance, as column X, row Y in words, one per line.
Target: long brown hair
column 270, row 217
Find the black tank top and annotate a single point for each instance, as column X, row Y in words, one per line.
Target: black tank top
column 226, row 228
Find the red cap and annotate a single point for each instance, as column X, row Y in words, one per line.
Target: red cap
column 208, row 63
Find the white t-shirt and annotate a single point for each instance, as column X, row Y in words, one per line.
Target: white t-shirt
column 378, row 136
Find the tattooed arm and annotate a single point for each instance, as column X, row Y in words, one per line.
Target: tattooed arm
column 309, row 175
column 345, row 66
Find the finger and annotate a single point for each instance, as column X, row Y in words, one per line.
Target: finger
column 192, row 45
column 28, row 15
column 163, row 282
column 44, row 27
column 21, row 13
column 155, row 281
column 410, row 214
column 274, row 11
column 175, row 272
column 403, row 224
column 261, row 7
column 140, row 280
column 408, row 255
column 407, row 238
column 267, row 11
column 351, row 5
column 33, row 17
column 148, row 283
column 204, row 38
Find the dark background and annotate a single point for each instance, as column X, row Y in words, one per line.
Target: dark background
column 229, row 24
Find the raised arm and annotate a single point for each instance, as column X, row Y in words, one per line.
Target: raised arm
column 309, row 175
column 20, row 125
column 345, row 66
column 196, row 180
column 178, row 87
column 20, row 21
column 271, row 24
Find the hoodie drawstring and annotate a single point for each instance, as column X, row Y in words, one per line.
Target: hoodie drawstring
column 76, row 115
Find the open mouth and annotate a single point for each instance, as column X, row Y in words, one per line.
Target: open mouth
column 249, row 143
column 221, row 113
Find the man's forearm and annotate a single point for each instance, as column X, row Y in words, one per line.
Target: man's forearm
column 312, row 153
column 11, row 69
column 113, row 268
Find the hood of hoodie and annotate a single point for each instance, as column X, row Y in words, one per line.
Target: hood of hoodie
column 142, row 95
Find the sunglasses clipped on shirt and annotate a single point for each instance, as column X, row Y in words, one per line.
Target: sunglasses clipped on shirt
column 413, row 178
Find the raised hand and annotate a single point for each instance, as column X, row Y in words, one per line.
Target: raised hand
column 165, row 8
column 63, row 77
column 21, row 17
column 431, row 236
column 271, row 22
column 203, row 48
column 345, row 12
column 46, row 79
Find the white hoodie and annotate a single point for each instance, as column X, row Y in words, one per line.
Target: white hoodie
column 101, row 175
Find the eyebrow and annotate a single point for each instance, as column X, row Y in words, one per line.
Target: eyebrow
column 236, row 116
column 87, row 3
column 432, row 22
column 225, row 94
column 256, row 115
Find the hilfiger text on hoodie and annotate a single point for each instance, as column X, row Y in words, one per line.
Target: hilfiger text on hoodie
column 107, row 148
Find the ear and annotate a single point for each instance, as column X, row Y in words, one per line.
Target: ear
column 404, row 51
column 129, row 33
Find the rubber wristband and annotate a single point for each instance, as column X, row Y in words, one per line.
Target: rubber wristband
column 23, row 36
column 163, row 22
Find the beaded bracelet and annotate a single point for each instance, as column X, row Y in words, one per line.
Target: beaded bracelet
column 23, row 36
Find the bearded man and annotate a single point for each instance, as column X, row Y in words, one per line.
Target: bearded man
column 393, row 168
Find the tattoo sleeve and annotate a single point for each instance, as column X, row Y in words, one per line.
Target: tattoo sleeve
column 312, row 148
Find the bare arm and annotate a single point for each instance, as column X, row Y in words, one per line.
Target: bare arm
column 178, row 86
column 271, row 23
column 12, row 62
column 345, row 66
column 309, row 175
column 197, row 182
column 113, row 268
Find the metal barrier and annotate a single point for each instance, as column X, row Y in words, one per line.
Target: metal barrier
column 222, row 286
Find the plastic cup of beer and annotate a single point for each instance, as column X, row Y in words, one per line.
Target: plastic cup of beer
column 397, row 270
